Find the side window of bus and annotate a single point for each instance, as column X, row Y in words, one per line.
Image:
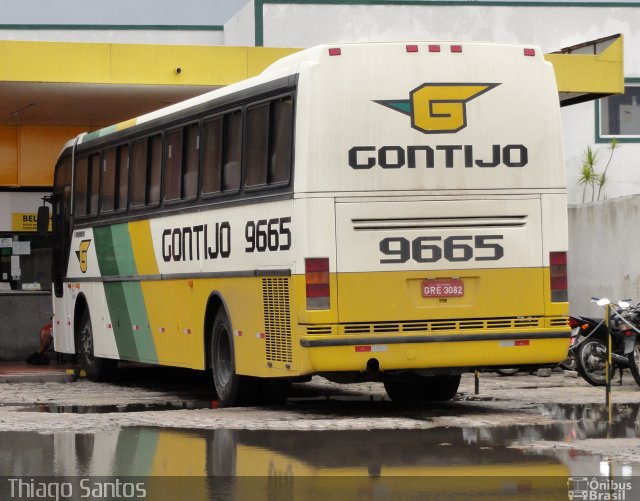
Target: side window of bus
column 232, row 152
column 94, row 184
column 191, row 161
column 280, row 142
column 173, row 165
column 222, row 139
column 122, row 181
column 139, row 173
column 155, row 166
column 81, row 182
column 212, row 158
column 258, row 142
column 108, row 187
column 270, row 134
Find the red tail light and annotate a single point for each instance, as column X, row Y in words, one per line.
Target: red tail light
column 530, row 52
column 316, row 271
column 573, row 323
column 558, row 265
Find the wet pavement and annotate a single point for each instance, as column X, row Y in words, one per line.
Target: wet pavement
column 154, row 430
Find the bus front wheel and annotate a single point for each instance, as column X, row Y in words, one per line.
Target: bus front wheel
column 231, row 388
column 96, row 368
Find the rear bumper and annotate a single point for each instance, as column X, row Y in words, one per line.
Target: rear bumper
column 375, row 340
column 416, row 352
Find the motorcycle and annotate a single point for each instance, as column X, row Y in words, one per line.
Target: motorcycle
column 591, row 341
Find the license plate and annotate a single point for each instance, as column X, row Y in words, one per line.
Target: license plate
column 443, row 287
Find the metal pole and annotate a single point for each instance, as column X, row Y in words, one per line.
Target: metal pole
column 608, row 362
column 477, row 382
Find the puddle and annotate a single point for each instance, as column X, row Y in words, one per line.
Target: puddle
column 455, row 463
column 103, row 409
column 440, row 463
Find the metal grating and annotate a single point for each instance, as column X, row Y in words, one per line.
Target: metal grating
column 323, row 329
column 507, row 323
column 277, row 319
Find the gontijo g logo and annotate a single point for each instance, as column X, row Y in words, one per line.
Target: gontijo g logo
column 439, row 108
column 81, row 253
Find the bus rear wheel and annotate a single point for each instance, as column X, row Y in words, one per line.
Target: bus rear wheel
column 232, row 389
column 423, row 389
column 96, row 368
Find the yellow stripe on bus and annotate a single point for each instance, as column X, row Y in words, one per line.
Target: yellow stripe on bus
column 142, row 243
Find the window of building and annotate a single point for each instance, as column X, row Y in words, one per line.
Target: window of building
column 25, row 261
column 619, row 116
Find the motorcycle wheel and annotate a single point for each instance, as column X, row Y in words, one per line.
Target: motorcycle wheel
column 591, row 363
column 634, row 362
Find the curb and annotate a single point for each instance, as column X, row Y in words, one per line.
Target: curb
column 68, row 376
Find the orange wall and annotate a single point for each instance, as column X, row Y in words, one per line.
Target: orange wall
column 28, row 154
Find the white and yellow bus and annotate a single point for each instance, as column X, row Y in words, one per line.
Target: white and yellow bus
column 387, row 211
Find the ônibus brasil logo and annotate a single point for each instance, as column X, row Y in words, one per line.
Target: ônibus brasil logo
column 439, row 108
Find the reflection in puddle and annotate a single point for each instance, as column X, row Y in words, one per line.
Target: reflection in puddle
column 103, row 409
column 440, row 463
column 455, row 463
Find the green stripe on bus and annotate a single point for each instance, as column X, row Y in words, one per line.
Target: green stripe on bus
column 124, row 299
column 135, row 452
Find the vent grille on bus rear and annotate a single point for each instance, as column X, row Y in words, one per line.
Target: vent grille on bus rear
column 277, row 319
column 507, row 323
column 415, row 223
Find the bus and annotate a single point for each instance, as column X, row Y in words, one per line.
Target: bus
column 391, row 212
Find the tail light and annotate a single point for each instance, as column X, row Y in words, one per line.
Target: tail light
column 316, row 272
column 573, row 323
column 558, row 263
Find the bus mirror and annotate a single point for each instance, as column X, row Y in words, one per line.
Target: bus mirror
column 43, row 219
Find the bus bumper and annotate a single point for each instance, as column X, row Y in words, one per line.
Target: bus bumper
column 420, row 352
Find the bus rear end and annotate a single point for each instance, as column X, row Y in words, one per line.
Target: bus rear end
column 430, row 210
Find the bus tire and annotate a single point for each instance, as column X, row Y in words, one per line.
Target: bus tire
column 423, row 389
column 96, row 368
column 405, row 392
column 441, row 388
column 232, row 389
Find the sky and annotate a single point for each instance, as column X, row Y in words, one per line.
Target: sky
column 118, row 12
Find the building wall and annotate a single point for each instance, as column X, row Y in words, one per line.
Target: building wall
column 28, row 154
column 603, row 256
column 240, row 29
column 21, row 317
column 172, row 35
